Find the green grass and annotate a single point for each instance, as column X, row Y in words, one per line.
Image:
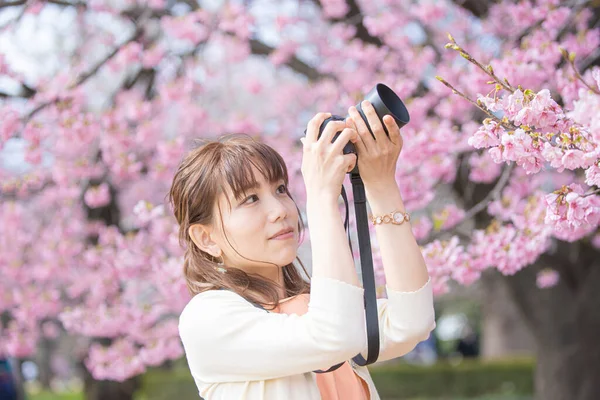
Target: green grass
column 54, row 396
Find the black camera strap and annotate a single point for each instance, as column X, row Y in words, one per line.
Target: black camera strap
column 368, row 274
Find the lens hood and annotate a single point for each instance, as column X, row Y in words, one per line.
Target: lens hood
column 385, row 101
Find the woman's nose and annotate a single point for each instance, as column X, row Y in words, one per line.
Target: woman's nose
column 277, row 209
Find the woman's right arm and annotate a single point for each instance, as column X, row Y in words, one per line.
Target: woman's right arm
column 331, row 256
column 227, row 339
column 324, row 167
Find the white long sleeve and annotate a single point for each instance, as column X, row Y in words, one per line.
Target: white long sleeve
column 227, row 339
column 405, row 319
column 237, row 351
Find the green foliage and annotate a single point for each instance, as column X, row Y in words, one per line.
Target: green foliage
column 159, row 384
column 44, row 395
column 469, row 379
column 499, row 380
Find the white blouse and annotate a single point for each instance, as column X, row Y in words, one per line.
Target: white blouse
column 236, row 351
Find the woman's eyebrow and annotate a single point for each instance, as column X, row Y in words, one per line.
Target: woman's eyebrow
column 243, row 192
column 256, row 185
column 253, row 186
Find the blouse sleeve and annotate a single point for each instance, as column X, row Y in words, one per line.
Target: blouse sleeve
column 405, row 319
column 227, row 339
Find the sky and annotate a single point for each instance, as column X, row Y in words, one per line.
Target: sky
column 55, row 36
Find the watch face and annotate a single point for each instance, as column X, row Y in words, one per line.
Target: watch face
column 398, row 217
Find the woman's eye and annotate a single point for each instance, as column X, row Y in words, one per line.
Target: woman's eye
column 282, row 189
column 250, row 199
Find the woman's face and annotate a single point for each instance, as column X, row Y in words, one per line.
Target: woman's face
column 252, row 224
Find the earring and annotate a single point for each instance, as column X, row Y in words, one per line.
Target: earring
column 220, row 266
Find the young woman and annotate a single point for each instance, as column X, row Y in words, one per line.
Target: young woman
column 255, row 329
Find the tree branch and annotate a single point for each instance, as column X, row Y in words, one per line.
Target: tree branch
column 57, row 2
column 25, row 92
column 86, row 75
column 259, row 48
column 478, row 8
column 68, row 3
column 591, row 60
column 591, row 193
column 355, row 18
column 482, row 205
column 12, row 3
column 429, row 41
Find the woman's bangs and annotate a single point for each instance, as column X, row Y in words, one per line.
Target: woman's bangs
column 238, row 169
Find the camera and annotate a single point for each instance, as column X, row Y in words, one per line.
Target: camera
column 384, row 101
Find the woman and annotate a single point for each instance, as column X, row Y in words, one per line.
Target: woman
column 254, row 328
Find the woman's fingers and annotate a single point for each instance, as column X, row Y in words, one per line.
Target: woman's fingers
column 350, row 161
column 330, row 130
column 312, row 130
column 347, row 135
column 361, row 128
column 358, row 143
column 393, row 129
column 373, row 121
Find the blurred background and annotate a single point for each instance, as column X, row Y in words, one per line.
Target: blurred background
column 100, row 100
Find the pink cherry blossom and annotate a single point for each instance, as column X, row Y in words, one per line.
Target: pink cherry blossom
column 547, row 278
column 283, row 52
column 334, row 8
column 488, row 135
column 571, row 214
column 107, row 123
column 421, row 227
column 97, row 196
column 448, row 217
column 153, row 56
column 146, row 212
column 596, row 241
column 592, row 175
column 9, row 124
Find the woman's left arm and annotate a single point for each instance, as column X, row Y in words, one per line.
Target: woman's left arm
column 407, row 316
column 403, row 262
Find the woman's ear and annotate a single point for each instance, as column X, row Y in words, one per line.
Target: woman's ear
column 201, row 236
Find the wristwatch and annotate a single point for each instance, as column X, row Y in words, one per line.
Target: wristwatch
column 395, row 217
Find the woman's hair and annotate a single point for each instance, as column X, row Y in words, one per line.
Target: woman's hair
column 200, row 179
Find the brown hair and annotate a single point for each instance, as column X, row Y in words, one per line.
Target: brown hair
column 198, row 182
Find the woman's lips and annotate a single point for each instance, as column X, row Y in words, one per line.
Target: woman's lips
column 284, row 236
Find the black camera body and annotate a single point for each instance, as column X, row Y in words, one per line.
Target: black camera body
column 385, row 101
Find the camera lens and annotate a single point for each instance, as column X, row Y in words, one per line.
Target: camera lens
column 385, row 102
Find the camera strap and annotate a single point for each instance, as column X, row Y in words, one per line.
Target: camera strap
column 368, row 274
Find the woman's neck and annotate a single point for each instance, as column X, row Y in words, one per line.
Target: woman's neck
column 274, row 274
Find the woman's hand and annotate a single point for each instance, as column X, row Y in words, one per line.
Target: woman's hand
column 377, row 158
column 324, row 165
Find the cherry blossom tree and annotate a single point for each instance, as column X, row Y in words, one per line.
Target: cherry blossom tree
column 504, row 100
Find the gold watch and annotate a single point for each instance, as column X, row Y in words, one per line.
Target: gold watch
column 395, row 217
